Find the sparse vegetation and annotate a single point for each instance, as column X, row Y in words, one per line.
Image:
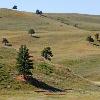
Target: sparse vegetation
column 45, row 68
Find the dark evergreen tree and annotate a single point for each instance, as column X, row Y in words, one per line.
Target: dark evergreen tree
column 47, row 53
column 14, row 7
column 24, row 62
column 37, row 11
column 31, row 31
column 40, row 13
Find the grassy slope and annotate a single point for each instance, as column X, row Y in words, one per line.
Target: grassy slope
column 67, row 42
column 86, row 22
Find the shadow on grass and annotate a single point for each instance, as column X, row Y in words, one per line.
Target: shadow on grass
column 42, row 85
column 36, row 36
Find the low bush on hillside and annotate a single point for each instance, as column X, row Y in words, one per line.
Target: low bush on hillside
column 45, row 68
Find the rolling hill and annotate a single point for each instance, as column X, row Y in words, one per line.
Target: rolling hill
column 74, row 58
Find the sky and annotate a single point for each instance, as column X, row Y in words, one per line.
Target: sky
column 55, row 6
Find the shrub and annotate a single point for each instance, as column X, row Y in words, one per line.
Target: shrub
column 5, row 41
column 97, row 36
column 45, row 68
column 90, row 39
column 31, row 31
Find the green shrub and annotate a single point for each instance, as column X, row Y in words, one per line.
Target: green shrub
column 45, row 68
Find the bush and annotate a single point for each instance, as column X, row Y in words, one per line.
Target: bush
column 5, row 41
column 90, row 39
column 45, row 68
column 97, row 36
column 31, row 31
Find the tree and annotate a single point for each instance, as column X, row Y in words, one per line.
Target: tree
column 40, row 13
column 31, row 31
column 97, row 36
column 14, row 7
column 37, row 11
column 5, row 41
column 24, row 63
column 90, row 39
column 47, row 53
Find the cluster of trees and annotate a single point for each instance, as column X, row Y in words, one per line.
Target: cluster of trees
column 91, row 39
column 38, row 12
column 25, row 63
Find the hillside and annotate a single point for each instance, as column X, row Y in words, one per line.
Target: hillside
column 68, row 43
column 82, row 21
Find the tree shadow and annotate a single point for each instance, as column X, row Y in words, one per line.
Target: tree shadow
column 36, row 36
column 42, row 85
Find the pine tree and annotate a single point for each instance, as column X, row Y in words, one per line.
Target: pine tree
column 47, row 53
column 24, row 63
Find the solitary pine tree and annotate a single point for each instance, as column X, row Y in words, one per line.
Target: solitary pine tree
column 24, row 63
column 47, row 53
column 31, row 31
